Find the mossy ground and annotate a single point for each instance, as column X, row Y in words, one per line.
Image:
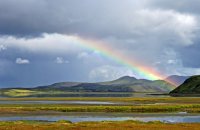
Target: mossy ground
column 105, row 125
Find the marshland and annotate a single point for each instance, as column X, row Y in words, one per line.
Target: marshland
column 88, row 112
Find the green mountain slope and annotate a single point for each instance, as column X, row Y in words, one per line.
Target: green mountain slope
column 190, row 86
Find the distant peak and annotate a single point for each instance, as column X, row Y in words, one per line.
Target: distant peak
column 175, row 76
column 127, row 78
column 177, row 79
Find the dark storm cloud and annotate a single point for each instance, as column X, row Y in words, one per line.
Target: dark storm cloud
column 88, row 17
column 30, row 17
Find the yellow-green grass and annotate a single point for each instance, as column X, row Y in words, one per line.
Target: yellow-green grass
column 139, row 100
column 24, row 108
column 25, row 92
column 104, row 125
column 19, row 92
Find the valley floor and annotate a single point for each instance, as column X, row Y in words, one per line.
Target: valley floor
column 108, row 125
column 168, row 105
column 130, row 105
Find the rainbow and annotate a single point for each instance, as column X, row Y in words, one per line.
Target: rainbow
column 107, row 51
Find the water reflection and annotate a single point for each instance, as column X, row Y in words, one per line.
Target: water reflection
column 75, row 118
column 59, row 102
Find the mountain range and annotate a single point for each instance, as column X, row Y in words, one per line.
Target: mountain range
column 123, row 84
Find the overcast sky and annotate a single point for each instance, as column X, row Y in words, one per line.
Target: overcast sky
column 36, row 47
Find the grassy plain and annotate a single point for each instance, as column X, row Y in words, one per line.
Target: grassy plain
column 132, row 105
column 105, row 125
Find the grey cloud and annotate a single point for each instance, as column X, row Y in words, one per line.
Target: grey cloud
column 188, row 6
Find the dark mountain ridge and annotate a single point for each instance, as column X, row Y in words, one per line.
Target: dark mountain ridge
column 190, row 86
